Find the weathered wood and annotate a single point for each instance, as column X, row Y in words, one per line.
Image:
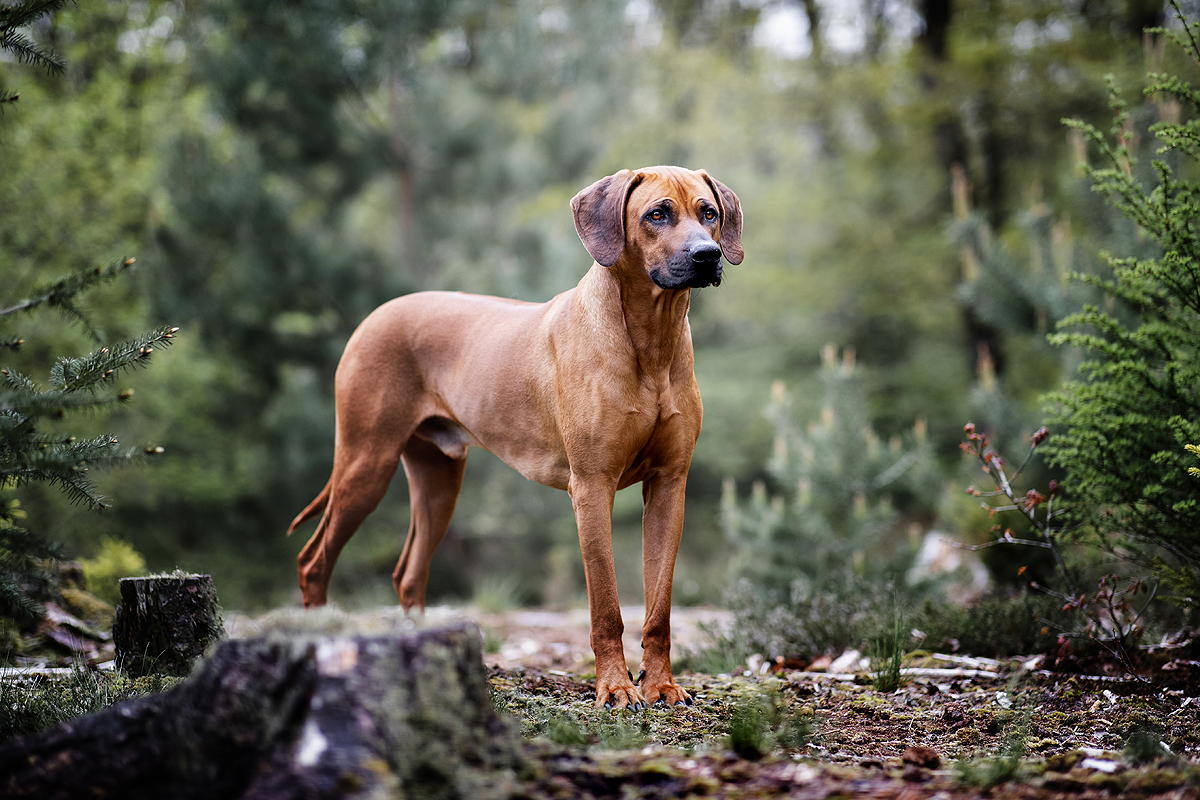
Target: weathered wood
column 164, row 623
column 201, row 739
column 297, row 713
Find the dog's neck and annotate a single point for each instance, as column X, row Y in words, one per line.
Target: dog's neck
column 654, row 318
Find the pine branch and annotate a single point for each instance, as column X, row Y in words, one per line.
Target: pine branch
column 28, row 51
column 14, row 17
column 12, row 40
column 102, row 366
column 60, row 294
column 22, row 558
column 24, row 13
column 21, row 399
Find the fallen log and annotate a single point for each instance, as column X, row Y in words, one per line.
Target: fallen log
column 298, row 713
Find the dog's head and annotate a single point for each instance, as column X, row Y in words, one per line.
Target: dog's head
column 674, row 223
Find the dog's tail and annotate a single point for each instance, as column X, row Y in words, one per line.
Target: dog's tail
column 314, row 508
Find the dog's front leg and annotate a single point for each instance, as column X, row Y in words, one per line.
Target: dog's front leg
column 662, row 528
column 593, row 503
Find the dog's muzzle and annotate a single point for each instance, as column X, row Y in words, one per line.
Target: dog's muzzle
column 697, row 266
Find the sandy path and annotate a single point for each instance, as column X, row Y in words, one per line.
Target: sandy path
column 540, row 637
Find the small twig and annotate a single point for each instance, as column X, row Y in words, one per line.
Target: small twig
column 994, row 542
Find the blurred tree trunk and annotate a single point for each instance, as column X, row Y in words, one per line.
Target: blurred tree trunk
column 1142, row 14
column 936, row 14
column 812, row 12
column 401, row 160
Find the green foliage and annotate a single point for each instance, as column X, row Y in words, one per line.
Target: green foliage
column 843, row 494
column 30, row 453
column 1020, row 623
column 762, row 722
column 286, row 170
column 33, row 705
column 24, row 573
column 13, row 18
column 805, row 623
column 495, row 594
column 1147, row 747
column 116, row 559
column 820, row 558
column 723, row 654
column 565, row 731
column 544, row 717
column 748, row 730
column 31, row 450
column 1125, row 425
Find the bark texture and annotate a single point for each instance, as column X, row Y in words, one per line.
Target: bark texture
column 164, row 623
column 292, row 714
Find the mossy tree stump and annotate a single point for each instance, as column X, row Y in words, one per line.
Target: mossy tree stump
column 165, row 622
column 309, row 712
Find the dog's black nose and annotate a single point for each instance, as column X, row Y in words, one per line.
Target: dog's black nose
column 706, row 253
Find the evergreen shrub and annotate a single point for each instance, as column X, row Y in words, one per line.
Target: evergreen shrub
column 1123, row 427
column 32, row 451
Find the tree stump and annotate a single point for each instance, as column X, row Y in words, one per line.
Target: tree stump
column 302, row 712
column 164, row 623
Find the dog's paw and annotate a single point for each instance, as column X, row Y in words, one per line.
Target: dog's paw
column 620, row 696
column 668, row 693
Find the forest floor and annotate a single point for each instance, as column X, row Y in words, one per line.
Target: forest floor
column 957, row 727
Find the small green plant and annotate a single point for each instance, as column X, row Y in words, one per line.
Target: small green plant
column 748, row 729
column 820, row 555
column 724, row 652
column 496, row 595
column 1147, row 747
column 117, row 559
column 1006, row 765
column 622, row 731
column 563, row 729
column 762, row 722
column 886, row 649
column 30, row 452
column 492, row 641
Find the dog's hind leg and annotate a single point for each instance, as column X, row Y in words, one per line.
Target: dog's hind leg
column 434, row 480
column 356, row 489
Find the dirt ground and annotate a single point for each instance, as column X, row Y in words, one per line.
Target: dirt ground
column 958, row 727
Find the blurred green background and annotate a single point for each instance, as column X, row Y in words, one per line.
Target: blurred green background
column 910, row 197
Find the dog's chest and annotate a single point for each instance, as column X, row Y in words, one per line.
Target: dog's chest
column 657, row 412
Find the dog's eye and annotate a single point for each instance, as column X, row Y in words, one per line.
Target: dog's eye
column 657, row 215
column 710, row 214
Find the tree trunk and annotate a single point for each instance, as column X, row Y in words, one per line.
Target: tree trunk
column 164, row 623
column 294, row 714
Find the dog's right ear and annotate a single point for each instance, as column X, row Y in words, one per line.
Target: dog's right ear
column 600, row 216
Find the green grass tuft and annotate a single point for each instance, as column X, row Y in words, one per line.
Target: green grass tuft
column 887, row 650
column 38, row 703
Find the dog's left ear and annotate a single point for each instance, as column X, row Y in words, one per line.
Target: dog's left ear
column 731, row 219
column 600, row 216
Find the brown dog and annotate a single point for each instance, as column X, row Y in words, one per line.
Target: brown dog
column 590, row 392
